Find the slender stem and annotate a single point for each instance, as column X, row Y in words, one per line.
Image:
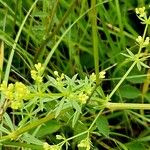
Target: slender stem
column 23, row 145
column 84, row 132
column 145, row 30
column 95, row 39
column 122, row 79
column 77, row 135
column 118, row 106
column 28, row 127
column 144, row 34
column 131, row 67
column 95, row 120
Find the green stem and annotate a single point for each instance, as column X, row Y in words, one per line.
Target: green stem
column 84, row 132
column 118, row 106
column 145, row 30
column 95, row 38
column 122, row 79
column 17, row 145
column 144, row 35
column 112, row 106
column 95, row 120
column 28, row 127
column 75, row 136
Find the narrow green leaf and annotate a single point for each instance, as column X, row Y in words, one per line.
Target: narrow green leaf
column 144, row 65
column 130, row 53
column 128, row 56
column 76, row 106
column 4, row 130
column 31, row 139
column 9, row 122
column 75, row 118
column 59, row 108
column 138, row 66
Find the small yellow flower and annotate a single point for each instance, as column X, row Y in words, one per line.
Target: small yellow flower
column 9, row 95
column 21, row 91
column 55, row 147
column 83, row 98
column 39, row 79
column 85, row 144
column 140, row 11
column 46, row 146
column 56, row 73
column 8, row 92
column 88, row 89
column 62, row 76
column 33, row 74
column 3, row 86
column 37, row 73
column 102, row 74
column 11, row 87
column 93, row 77
column 15, row 93
column 39, row 67
column 59, row 78
column 146, row 42
column 16, row 104
column 140, row 40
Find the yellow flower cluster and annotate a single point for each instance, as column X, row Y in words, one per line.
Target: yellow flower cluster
column 101, row 76
column 36, row 73
column 84, row 95
column 59, row 77
column 142, row 42
column 83, row 98
column 15, row 93
column 8, row 91
column 141, row 12
column 46, row 146
column 85, row 144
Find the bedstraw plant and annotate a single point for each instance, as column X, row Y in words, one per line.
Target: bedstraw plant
column 55, row 111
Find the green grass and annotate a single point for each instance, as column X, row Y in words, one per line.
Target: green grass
column 75, row 37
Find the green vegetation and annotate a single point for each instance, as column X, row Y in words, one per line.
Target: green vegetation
column 74, row 74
